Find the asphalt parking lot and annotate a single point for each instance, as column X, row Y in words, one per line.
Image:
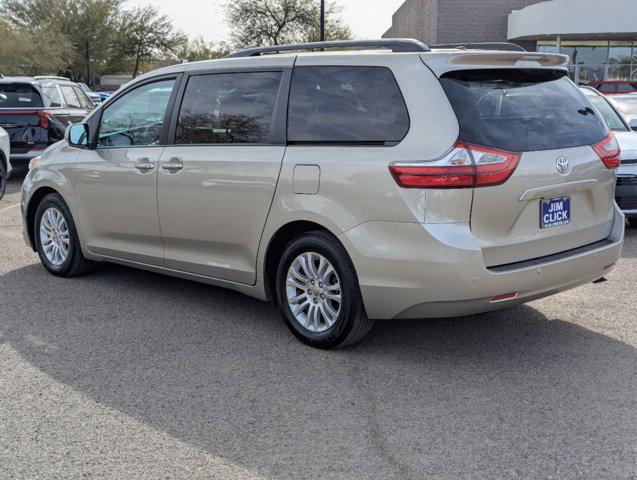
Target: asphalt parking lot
column 128, row 374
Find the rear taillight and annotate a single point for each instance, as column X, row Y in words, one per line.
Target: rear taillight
column 465, row 166
column 44, row 118
column 609, row 151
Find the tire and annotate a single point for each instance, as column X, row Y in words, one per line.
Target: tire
column 3, row 179
column 347, row 324
column 74, row 264
column 632, row 222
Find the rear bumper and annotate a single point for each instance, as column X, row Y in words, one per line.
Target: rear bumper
column 410, row 270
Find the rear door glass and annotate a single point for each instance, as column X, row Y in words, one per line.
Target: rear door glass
column 17, row 95
column 71, row 98
column 522, row 110
column 228, row 108
column 346, row 104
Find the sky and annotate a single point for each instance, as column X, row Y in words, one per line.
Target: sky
column 367, row 18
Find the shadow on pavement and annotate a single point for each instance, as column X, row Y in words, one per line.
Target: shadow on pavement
column 507, row 394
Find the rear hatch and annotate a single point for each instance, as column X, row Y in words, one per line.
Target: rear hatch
column 23, row 116
column 560, row 195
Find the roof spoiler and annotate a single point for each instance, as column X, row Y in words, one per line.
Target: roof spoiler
column 396, row 45
column 504, row 46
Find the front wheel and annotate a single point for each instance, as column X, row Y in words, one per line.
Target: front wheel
column 56, row 239
column 318, row 293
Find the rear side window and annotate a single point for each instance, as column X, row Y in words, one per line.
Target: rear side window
column 227, row 108
column 522, row 110
column 19, row 95
column 608, row 88
column 52, row 96
column 82, row 98
column 346, row 104
column 71, row 98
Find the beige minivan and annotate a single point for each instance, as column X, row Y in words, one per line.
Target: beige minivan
column 346, row 185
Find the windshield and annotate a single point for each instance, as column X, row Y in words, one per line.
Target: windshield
column 610, row 115
column 19, row 95
column 522, row 110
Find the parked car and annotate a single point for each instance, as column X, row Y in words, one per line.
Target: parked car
column 95, row 97
column 5, row 162
column 627, row 105
column 346, row 186
column 626, row 190
column 36, row 111
column 614, row 87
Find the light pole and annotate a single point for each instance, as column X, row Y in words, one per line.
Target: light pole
column 322, row 20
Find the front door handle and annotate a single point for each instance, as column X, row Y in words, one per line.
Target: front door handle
column 173, row 165
column 144, row 165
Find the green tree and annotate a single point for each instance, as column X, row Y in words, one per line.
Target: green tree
column 198, row 49
column 30, row 52
column 143, row 34
column 86, row 27
column 275, row 22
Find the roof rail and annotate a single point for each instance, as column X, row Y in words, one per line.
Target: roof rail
column 49, row 77
column 397, row 45
column 506, row 46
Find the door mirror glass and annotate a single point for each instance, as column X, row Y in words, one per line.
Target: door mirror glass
column 633, row 124
column 77, row 135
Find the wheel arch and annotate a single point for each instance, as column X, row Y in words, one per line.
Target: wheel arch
column 32, row 207
column 277, row 244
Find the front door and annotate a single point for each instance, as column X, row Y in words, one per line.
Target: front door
column 216, row 183
column 117, row 181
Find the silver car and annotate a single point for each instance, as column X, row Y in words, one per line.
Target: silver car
column 626, row 190
column 347, row 186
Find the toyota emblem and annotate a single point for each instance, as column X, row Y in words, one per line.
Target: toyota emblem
column 563, row 166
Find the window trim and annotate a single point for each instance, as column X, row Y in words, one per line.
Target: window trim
column 348, row 143
column 278, row 127
column 167, row 115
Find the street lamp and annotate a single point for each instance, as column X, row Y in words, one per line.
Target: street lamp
column 322, row 20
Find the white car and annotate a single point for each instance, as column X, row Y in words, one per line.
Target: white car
column 626, row 190
column 5, row 163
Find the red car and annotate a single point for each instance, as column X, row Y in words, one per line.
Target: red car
column 614, row 87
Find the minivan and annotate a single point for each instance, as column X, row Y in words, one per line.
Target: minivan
column 347, row 185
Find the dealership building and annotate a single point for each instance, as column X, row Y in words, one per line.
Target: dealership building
column 600, row 36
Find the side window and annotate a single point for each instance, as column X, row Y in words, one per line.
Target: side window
column 346, row 104
column 52, row 97
column 137, row 118
column 228, row 108
column 82, row 98
column 608, row 88
column 70, row 97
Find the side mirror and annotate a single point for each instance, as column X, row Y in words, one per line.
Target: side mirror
column 633, row 124
column 77, row 135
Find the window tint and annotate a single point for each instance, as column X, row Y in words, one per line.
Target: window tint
column 19, row 95
column 228, row 108
column 346, row 104
column 522, row 110
column 624, row 88
column 70, row 97
column 137, row 118
column 52, row 97
column 608, row 88
column 83, row 99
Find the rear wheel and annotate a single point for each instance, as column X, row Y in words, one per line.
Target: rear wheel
column 3, row 179
column 318, row 293
column 56, row 239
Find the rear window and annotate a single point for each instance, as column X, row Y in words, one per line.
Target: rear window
column 522, row 110
column 612, row 119
column 346, row 104
column 17, row 95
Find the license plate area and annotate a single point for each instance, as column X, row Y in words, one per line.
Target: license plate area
column 555, row 211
